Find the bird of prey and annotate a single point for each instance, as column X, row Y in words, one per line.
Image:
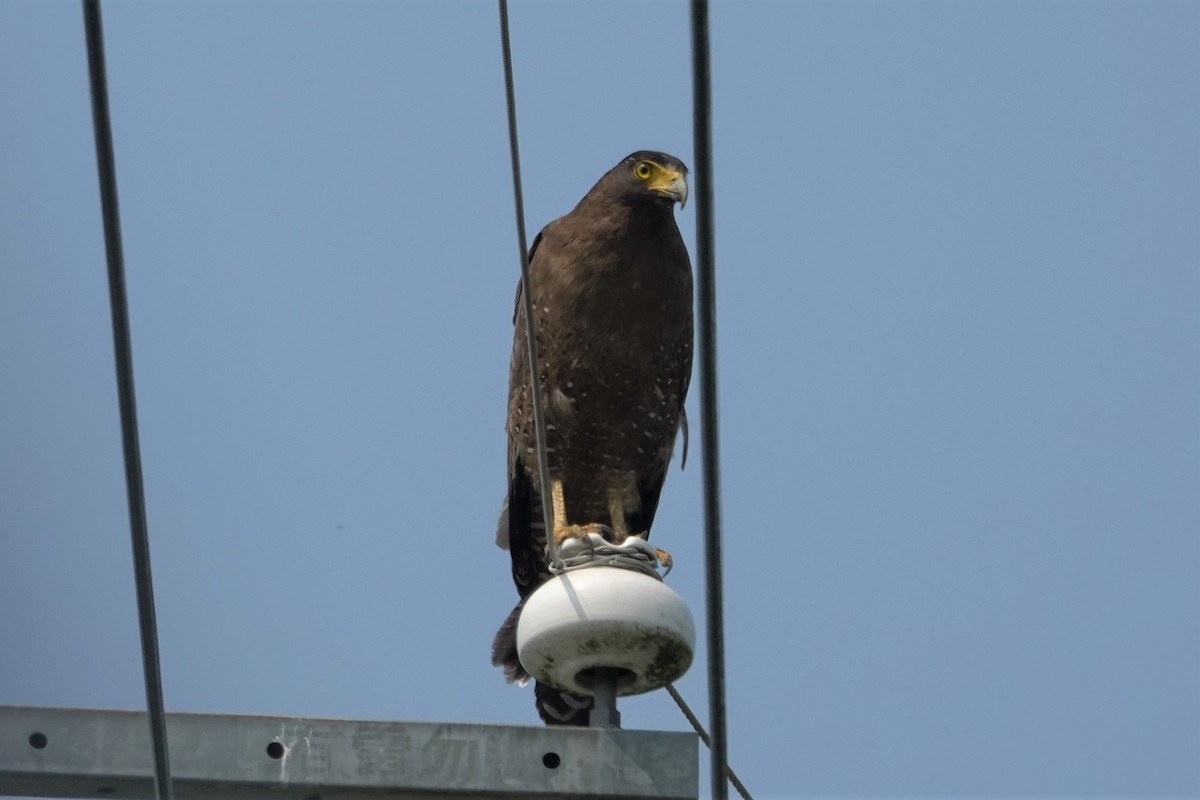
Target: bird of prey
column 611, row 287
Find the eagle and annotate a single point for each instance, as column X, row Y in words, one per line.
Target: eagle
column 611, row 287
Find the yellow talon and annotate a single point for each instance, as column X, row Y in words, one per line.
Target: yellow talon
column 664, row 558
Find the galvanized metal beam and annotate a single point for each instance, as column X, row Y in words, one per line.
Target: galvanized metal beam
column 65, row 752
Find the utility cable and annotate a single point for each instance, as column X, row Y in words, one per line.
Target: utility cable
column 535, row 375
column 106, row 168
column 706, row 291
column 704, row 737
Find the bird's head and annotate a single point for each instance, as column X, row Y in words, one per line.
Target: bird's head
column 649, row 176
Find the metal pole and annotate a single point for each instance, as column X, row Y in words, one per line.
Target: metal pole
column 123, row 352
column 706, row 291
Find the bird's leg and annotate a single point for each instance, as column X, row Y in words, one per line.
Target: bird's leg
column 616, row 514
column 563, row 531
column 558, row 504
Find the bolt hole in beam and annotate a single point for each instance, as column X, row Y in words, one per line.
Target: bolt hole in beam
column 276, row 750
column 38, row 741
column 551, row 760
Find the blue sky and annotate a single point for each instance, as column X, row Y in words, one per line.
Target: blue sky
column 958, row 295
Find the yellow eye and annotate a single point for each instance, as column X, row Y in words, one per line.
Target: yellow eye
column 643, row 170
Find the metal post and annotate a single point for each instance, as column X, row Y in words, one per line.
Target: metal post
column 604, row 709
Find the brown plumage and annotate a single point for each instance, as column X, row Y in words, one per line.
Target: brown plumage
column 612, row 293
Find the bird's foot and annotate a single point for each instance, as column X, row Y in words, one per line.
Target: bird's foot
column 664, row 558
column 573, row 540
column 582, row 532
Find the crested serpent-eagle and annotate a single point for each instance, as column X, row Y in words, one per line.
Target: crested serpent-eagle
column 612, row 297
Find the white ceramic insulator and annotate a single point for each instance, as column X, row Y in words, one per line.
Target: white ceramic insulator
column 606, row 617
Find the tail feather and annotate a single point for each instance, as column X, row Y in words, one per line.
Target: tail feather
column 555, row 707
column 561, row 708
column 504, row 649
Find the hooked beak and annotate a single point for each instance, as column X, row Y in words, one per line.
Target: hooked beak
column 675, row 188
